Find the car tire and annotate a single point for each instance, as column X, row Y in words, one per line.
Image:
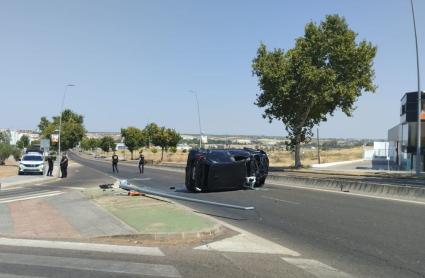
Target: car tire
column 19, row 173
column 191, row 186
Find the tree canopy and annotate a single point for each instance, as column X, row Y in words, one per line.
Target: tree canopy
column 23, row 142
column 325, row 71
column 107, row 143
column 134, row 138
column 166, row 138
column 72, row 131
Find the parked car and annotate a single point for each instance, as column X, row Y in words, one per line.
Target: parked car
column 32, row 162
column 224, row 169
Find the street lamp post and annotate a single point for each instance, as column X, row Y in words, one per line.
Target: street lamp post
column 60, row 120
column 418, row 142
column 199, row 118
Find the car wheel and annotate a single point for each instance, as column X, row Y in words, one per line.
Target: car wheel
column 19, row 173
column 191, row 186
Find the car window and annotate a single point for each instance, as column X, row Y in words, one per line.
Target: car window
column 32, row 158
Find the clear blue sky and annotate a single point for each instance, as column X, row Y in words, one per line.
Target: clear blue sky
column 137, row 60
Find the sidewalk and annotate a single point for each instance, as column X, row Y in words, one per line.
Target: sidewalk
column 93, row 215
column 10, row 181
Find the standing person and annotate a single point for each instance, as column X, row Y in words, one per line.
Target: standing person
column 64, row 166
column 115, row 163
column 50, row 162
column 141, row 163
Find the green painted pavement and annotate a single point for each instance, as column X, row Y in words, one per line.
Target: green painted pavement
column 147, row 215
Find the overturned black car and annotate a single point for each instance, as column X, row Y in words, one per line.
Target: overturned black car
column 223, row 169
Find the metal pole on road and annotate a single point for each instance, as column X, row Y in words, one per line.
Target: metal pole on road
column 199, row 118
column 418, row 141
column 60, row 120
column 145, row 190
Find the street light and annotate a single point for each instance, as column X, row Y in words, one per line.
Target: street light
column 60, row 119
column 418, row 144
column 199, row 118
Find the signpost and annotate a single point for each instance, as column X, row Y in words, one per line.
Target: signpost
column 45, row 145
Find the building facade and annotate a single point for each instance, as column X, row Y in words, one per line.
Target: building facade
column 403, row 137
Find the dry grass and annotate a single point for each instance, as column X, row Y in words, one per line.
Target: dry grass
column 9, row 169
column 277, row 158
column 308, row 157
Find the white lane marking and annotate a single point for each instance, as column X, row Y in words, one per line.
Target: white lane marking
column 94, row 247
column 350, row 193
column 74, row 187
column 29, row 197
column 108, row 266
column 11, row 188
column 317, row 268
column 140, row 179
column 247, row 243
column 280, row 200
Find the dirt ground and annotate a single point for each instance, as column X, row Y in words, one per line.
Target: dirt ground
column 9, row 169
column 277, row 158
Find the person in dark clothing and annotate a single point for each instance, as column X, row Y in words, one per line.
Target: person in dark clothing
column 141, row 163
column 64, row 166
column 115, row 163
column 50, row 162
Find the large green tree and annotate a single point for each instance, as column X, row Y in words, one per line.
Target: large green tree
column 149, row 132
column 133, row 138
column 72, row 131
column 166, row 138
column 326, row 70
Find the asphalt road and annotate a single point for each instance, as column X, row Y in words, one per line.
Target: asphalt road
column 361, row 236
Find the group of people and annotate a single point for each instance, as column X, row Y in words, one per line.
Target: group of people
column 141, row 163
column 63, row 166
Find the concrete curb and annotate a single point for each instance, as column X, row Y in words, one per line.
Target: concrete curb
column 369, row 188
column 180, row 237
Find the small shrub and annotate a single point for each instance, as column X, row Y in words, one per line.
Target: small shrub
column 154, row 150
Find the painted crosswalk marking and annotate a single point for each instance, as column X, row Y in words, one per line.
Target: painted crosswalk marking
column 317, row 268
column 7, row 275
column 108, row 266
column 94, row 247
column 248, row 243
column 29, row 196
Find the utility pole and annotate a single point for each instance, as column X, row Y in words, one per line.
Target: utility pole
column 60, row 121
column 318, row 146
column 419, row 137
column 199, row 118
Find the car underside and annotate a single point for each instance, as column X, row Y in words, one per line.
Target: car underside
column 225, row 169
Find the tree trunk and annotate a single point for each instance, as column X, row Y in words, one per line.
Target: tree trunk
column 298, row 156
column 298, row 150
column 131, row 152
column 162, row 154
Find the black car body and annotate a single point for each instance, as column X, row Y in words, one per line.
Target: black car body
column 221, row 169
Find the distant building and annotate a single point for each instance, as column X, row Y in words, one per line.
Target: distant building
column 15, row 135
